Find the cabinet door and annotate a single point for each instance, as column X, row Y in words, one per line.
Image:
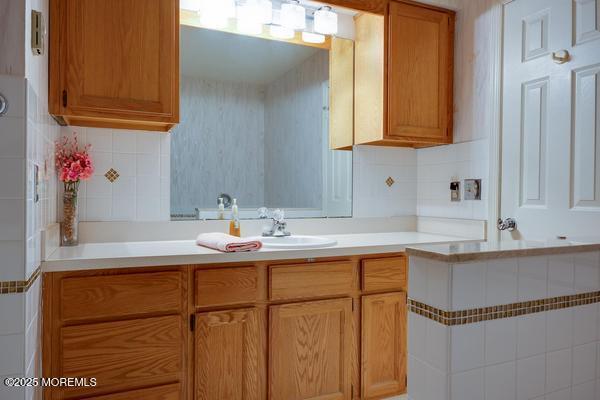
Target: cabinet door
column 228, row 355
column 420, row 53
column 119, row 59
column 383, row 345
column 310, row 350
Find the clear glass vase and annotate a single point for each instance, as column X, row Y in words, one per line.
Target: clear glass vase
column 68, row 225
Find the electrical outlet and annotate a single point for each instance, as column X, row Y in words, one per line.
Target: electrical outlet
column 472, row 189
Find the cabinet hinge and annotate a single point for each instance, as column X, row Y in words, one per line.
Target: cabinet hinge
column 192, row 322
column 64, row 98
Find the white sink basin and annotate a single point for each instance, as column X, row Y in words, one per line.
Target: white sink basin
column 296, row 242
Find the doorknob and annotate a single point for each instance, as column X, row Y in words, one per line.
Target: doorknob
column 561, row 56
column 509, row 224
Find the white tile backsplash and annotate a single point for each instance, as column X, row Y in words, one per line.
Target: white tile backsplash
column 500, row 381
column 372, row 197
column 438, row 166
column 142, row 190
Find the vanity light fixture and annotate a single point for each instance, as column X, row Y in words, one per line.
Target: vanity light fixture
column 310, row 37
column 293, row 15
column 326, row 21
column 280, row 32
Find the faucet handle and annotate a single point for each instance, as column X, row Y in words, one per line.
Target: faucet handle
column 263, row 213
column 278, row 215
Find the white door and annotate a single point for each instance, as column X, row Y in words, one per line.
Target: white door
column 551, row 118
column 337, row 171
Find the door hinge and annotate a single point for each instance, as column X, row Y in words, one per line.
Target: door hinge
column 64, row 98
column 192, row 322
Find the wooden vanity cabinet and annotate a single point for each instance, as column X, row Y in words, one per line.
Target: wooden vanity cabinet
column 404, row 76
column 325, row 329
column 114, row 63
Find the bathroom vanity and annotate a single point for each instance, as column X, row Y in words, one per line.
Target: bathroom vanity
column 332, row 328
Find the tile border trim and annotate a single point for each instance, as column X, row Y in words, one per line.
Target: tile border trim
column 10, row 287
column 474, row 315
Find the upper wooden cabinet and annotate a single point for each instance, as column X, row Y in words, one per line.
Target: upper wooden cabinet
column 404, row 76
column 115, row 63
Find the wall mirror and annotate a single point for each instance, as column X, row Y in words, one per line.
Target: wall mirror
column 254, row 126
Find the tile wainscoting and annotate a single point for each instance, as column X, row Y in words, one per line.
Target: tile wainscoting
column 525, row 328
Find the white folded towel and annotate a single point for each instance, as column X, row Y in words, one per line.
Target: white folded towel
column 227, row 243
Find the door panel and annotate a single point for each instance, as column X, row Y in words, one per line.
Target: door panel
column 310, row 350
column 383, row 345
column 551, row 118
column 228, row 363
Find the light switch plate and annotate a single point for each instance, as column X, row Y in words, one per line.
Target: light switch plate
column 472, row 189
column 37, row 33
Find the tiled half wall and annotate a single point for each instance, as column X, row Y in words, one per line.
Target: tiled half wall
column 509, row 329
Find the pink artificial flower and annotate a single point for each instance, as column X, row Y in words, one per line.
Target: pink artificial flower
column 73, row 162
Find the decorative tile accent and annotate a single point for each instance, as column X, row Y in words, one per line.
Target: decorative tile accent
column 463, row 317
column 389, row 181
column 111, row 175
column 7, row 287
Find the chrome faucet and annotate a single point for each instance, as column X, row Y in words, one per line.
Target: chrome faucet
column 278, row 227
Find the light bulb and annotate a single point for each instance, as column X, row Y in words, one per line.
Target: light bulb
column 310, row 37
column 249, row 27
column 216, row 13
column 256, row 11
column 326, row 21
column 281, row 32
column 293, row 16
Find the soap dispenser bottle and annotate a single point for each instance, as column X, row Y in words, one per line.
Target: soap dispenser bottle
column 221, row 211
column 234, row 224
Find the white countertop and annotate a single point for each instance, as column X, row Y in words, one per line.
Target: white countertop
column 181, row 252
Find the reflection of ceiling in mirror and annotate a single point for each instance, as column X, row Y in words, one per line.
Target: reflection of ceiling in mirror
column 222, row 56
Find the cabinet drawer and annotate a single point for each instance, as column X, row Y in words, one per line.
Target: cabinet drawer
column 226, row 286
column 310, row 280
column 384, row 274
column 120, row 295
column 123, row 355
column 166, row 392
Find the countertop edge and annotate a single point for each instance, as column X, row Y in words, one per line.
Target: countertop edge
column 498, row 254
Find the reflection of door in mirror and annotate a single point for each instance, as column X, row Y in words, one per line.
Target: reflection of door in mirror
column 255, row 125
